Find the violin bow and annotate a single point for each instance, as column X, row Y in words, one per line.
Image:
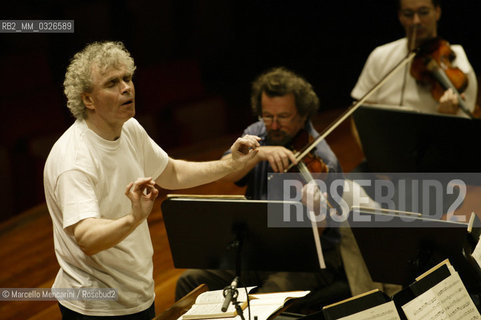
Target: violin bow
column 356, row 104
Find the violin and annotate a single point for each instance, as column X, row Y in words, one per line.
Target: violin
column 312, row 162
column 302, row 153
column 432, row 67
column 433, row 62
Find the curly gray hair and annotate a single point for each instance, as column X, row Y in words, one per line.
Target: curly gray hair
column 78, row 78
column 279, row 82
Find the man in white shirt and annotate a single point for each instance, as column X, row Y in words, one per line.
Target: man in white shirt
column 419, row 19
column 99, row 184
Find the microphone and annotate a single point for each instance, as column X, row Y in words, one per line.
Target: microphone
column 229, row 293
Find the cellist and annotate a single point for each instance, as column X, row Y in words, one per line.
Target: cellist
column 419, row 19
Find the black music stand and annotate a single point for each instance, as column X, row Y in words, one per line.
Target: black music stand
column 397, row 248
column 203, row 233
column 400, row 140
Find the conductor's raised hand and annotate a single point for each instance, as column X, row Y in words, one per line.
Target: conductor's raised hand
column 245, row 149
column 142, row 193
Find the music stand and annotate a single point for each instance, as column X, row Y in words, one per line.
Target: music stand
column 401, row 140
column 201, row 233
column 397, row 248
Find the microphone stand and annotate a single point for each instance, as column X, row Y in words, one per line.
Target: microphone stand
column 230, row 292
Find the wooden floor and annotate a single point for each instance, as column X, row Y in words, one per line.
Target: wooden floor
column 27, row 257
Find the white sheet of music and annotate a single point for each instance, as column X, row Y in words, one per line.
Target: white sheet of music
column 449, row 299
column 385, row 311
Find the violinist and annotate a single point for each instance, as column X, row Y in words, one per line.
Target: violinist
column 284, row 103
column 419, row 19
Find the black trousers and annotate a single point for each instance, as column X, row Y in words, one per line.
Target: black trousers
column 147, row 314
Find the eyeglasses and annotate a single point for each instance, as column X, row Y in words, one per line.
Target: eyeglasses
column 422, row 12
column 281, row 119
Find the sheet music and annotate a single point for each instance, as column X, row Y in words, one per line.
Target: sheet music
column 262, row 305
column 385, row 311
column 277, row 297
column 216, row 296
column 448, row 299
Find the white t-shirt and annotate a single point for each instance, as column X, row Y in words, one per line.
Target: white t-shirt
column 384, row 58
column 86, row 176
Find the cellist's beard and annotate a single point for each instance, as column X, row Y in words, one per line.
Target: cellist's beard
column 278, row 138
